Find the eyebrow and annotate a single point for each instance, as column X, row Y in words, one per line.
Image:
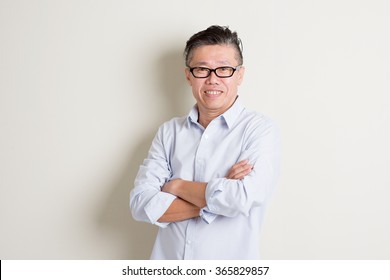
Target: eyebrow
column 202, row 63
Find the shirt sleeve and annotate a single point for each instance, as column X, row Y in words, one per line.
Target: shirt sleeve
column 147, row 202
column 229, row 197
column 206, row 215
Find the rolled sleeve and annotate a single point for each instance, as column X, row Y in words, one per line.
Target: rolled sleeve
column 229, row 197
column 157, row 206
column 206, row 215
column 214, row 187
column 147, row 202
column 148, row 206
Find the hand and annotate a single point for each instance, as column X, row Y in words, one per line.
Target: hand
column 239, row 170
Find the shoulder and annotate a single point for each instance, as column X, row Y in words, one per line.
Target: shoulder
column 257, row 120
column 171, row 126
column 258, row 128
column 174, row 122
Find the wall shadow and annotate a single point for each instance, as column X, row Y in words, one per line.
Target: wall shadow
column 171, row 78
column 115, row 220
column 137, row 238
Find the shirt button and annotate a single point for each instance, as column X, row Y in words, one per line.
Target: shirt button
column 206, row 136
column 188, row 242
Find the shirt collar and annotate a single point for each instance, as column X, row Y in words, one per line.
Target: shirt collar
column 193, row 115
column 230, row 116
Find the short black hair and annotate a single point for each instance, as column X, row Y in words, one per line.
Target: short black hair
column 214, row 35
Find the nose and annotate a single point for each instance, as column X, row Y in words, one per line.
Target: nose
column 213, row 78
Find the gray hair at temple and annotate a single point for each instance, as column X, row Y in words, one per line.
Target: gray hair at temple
column 214, row 35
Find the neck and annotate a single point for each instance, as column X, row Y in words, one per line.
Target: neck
column 206, row 118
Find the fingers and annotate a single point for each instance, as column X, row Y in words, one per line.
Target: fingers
column 239, row 170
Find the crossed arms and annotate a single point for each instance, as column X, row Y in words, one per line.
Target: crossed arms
column 158, row 199
column 191, row 195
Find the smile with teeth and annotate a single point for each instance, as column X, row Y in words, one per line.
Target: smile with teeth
column 213, row 92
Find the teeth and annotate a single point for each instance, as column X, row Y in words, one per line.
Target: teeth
column 214, row 92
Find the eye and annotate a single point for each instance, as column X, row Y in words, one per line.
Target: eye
column 201, row 69
column 225, row 69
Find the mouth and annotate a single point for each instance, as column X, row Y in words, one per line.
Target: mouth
column 213, row 92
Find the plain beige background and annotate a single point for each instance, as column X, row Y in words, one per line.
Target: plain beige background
column 85, row 84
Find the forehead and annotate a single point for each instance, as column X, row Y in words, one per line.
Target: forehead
column 214, row 55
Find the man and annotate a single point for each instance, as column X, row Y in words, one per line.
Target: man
column 208, row 175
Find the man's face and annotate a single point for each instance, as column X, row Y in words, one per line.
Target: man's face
column 214, row 95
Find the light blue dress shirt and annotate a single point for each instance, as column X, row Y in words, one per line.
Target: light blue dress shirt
column 228, row 227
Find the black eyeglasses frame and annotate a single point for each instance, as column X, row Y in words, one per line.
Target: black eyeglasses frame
column 234, row 69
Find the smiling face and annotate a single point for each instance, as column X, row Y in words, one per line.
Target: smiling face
column 214, row 95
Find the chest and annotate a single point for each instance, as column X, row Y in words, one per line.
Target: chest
column 199, row 154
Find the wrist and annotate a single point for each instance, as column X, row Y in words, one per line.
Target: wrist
column 173, row 187
column 177, row 187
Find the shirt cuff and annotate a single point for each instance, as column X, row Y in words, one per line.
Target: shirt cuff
column 213, row 189
column 206, row 215
column 157, row 206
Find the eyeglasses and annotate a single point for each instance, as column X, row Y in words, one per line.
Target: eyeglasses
column 221, row 72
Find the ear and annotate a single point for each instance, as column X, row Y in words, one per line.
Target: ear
column 188, row 75
column 241, row 73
